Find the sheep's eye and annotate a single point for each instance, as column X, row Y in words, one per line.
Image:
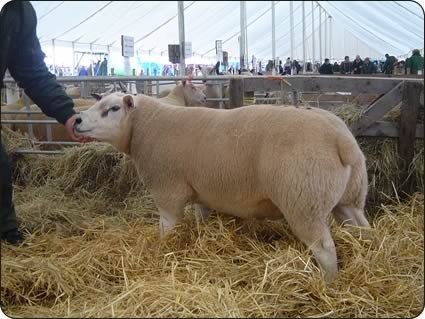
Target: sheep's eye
column 113, row 109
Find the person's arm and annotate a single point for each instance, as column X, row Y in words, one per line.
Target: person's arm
column 27, row 67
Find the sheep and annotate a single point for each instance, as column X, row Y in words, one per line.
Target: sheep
column 164, row 93
column 212, row 89
column 303, row 166
column 73, row 91
column 185, row 93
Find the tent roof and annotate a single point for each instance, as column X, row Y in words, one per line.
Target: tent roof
column 368, row 28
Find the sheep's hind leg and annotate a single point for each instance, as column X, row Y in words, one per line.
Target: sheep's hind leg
column 352, row 216
column 315, row 233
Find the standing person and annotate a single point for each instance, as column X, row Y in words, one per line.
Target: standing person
column 415, row 64
column 346, row 66
column 287, row 66
column 104, row 67
column 326, row 68
column 21, row 54
column 83, row 71
column 336, row 68
column 368, row 67
column 297, row 66
column 281, row 71
column 90, row 69
column 388, row 67
column 357, row 65
column 406, row 65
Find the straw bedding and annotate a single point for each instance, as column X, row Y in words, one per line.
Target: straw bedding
column 92, row 249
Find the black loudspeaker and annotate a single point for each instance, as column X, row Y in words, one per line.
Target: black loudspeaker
column 174, row 53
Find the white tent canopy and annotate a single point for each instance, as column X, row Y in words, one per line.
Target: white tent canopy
column 368, row 28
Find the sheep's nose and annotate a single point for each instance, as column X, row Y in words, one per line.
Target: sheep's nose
column 78, row 120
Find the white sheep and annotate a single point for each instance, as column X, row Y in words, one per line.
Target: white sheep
column 185, row 93
column 260, row 161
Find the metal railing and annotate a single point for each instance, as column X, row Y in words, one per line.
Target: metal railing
column 146, row 85
column 143, row 84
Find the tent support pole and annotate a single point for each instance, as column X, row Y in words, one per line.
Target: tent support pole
column 242, row 41
column 320, row 36
column 273, row 36
column 73, row 58
column 304, row 62
column 326, row 36
column 330, row 37
column 54, row 56
column 313, row 37
column 291, row 27
column 180, row 9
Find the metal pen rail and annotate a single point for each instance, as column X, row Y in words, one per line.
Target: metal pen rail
column 143, row 84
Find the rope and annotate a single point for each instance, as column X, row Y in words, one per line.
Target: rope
column 249, row 24
column 408, row 10
column 47, row 13
column 86, row 19
column 105, row 30
column 161, row 25
column 287, row 33
column 368, row 31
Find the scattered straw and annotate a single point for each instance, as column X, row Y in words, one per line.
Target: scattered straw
column 92, row 260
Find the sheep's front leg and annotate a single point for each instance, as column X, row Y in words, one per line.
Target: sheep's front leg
column 201, row 213
column 169, row 216
column 171, row 205
column 167, row 221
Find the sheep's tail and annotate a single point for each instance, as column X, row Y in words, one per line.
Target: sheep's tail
column 352, row 157
column 349, row 151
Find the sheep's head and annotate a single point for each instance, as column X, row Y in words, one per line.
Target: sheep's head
column 104, row 121
column 193, row 95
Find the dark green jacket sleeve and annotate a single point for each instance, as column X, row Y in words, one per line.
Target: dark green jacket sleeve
column 27, row 67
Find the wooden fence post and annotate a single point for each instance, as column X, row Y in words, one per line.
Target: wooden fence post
column 236, row 92
column 406, row 141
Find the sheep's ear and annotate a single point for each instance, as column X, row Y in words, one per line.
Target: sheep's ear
column 96, row 96
column 108, row 92
column 128, row 102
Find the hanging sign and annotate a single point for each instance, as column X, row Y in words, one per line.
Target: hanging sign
column 127, row 46
column 187, row 50
column 219, row 50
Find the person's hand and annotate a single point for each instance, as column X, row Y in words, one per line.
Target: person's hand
column 69, row 127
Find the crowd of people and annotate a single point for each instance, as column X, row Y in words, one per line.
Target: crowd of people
column 412, row 65
column 94, row 69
